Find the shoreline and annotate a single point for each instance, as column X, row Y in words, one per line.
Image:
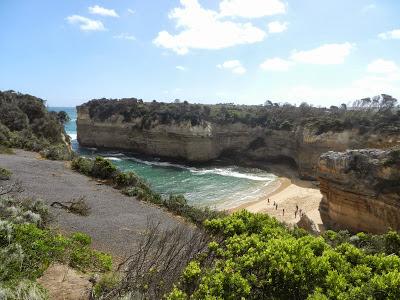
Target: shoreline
column 287, row 195
column 287, row 191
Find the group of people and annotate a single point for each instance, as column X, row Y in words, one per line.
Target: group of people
column 298, row 211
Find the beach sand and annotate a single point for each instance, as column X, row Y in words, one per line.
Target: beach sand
column 287, row 194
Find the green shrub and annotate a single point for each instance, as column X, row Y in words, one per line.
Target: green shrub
column 82, row 165
column 5, row 174
column 103, row 168
column 256, row 257
column 57, row 152
column 106, row 283
column 124, row 179
column 81, row 238
column 22, row 290
column 26, row 250
column 5, row 149
column 26, row 124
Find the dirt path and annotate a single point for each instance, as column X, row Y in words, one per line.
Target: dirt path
column 115, row 222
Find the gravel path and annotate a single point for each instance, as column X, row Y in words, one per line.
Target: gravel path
column 115, row 222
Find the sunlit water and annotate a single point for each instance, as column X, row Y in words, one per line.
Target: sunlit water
column 215, row 185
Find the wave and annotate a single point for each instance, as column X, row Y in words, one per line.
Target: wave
column 112, row 158
column 228, row 172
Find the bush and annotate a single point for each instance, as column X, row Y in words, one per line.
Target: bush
column 57, row 152
column 103, row 168
column 5, row 149
column 82, row 165
column 107, row 282
column 256, row 257
column 124, row 179
column 81, row 238
column 25, row 123
column 27, row 248
column 5, row 174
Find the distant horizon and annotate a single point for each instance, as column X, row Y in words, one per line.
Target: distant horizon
column 242, row 51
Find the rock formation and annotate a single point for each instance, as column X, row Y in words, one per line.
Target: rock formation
column 307, row 224
column 207, row 139
column 361, row 190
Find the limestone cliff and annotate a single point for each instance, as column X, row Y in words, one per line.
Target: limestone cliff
column 361, row 189
column 207, row 140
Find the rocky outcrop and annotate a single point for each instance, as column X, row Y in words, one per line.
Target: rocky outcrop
column 361, row 190
column 307, row 224
column 207, row 140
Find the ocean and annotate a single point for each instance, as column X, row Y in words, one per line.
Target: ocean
column 215, row 185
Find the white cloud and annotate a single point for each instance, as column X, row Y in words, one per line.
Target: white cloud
column 131, row 11
column 233, row 65
column 86, row 24
column 383, row 78
column 105, row 12
column 390, row 35
column 277, row 27
column 124, row 36
column 180, row 68
column 382, row 66
column 252, row 8
column 276, row 64
column 202, row 28
column 368, row 7
column 328, row 54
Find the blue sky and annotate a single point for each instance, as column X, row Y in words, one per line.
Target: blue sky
column 243, row 51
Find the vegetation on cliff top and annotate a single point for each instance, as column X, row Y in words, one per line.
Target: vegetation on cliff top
column 259, row 258
column 378, row 114
column 25, row 123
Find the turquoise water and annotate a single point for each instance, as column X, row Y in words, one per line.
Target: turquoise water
column 214, row 185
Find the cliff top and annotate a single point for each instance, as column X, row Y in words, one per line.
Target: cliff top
column 26, row 123
column 366, row 170
column 378, row 114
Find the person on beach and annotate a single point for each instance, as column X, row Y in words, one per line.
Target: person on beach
column 297, row 207
column 268, row 200
column 276, row 207
column 283, row 211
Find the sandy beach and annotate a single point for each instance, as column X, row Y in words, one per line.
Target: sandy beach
column 287, row 194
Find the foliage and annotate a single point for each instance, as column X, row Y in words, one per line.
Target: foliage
column 377, row 114
column 22, row 290
column 5, row 150
column 107, row 283
column 57, row 152
column 160, row 258
column 103, row 168
column 27, row 248
column 25, row 123
column 5, row 174
column 82, row 165
column 256, row 257
column 124, row 179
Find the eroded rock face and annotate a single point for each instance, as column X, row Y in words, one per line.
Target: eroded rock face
column 361, row 189
column 208, row 141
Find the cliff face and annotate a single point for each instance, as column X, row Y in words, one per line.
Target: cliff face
column 207, row 140
column 361, row 190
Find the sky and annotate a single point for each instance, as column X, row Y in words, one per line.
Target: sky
column 325, row 52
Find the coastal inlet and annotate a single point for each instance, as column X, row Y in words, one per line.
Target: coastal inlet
column 214, row 185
